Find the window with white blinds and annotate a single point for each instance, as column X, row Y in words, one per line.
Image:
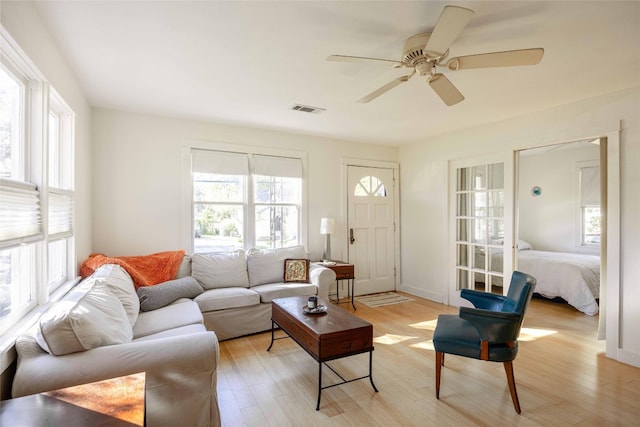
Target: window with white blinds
column 60, row 245
column 36, row 186
column 245, row 200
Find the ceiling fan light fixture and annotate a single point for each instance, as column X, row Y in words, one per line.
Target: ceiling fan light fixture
column 425, row 51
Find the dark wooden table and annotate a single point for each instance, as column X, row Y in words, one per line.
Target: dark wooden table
column 118, row 402
column 344, row 271
column 328, row 336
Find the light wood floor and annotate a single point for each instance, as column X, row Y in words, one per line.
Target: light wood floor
column 562, row 376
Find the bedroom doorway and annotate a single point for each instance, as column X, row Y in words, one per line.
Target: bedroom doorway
column 561, row 221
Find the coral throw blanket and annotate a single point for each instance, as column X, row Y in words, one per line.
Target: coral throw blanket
column 145, row 270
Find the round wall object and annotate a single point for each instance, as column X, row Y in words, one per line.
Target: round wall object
column 536, row 191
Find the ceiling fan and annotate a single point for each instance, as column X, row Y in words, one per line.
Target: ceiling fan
column 426, row 51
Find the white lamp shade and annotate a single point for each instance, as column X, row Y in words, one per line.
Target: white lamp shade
column 327, row 226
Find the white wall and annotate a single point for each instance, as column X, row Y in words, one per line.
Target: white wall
column 550, row 222
column 23, row 22
column 137, row 177
column 425, row 264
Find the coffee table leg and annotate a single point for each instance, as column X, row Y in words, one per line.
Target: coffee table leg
column 273, row 327
column 319, row 385
column 353, row 291
column 370, row 372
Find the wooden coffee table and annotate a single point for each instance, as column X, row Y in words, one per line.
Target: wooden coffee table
column 327, row 336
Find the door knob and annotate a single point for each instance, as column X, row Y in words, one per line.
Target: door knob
column 351, row 238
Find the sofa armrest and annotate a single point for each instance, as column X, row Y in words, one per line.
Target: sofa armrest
column 40, row 371
column 323, row 278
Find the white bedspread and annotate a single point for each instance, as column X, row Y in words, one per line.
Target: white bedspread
column 573, row 277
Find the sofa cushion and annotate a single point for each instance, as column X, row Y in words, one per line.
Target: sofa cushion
column 282, row 290
column 223, row 298
column 157, row 296
column 92, row 317
column 180, row 313
column 185, row 267
column 121, row 285
column 175, row 332
column 267, row 265
column 222, row 270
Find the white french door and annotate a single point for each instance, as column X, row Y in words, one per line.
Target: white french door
column 371, row 228
column 481, row 212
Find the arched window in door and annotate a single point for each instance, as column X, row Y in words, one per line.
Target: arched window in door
column 370, row 186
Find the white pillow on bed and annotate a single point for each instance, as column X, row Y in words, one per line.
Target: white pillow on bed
column 523, row 245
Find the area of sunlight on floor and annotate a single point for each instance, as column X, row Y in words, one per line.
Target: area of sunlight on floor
column 391, row 339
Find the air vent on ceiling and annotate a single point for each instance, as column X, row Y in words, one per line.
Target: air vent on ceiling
column 307, row 109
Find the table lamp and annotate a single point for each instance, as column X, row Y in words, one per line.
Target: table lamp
column 327, row 227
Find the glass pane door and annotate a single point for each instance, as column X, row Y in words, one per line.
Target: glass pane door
column 480, row 227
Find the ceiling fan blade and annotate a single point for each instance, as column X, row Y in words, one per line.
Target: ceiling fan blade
column 452, row 21
column 345, row 58
column 509, row 58
column 445, row 89
column 393, row 83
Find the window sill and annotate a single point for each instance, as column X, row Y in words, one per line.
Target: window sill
column 8, row 339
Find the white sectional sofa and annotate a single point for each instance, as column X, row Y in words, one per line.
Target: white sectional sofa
column 104, row 329
column 97, row 332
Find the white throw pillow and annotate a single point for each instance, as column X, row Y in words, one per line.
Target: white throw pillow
column 523, row 245
column 121, row 285
column 267, row 266
column 84, row 321
column 223, row 270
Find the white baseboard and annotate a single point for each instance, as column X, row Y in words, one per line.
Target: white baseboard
column 432, row 296
column 629, row 357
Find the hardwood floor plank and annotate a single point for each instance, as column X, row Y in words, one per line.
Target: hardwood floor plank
column 562, row 377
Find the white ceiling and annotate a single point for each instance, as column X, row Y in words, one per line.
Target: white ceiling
column 248, row 63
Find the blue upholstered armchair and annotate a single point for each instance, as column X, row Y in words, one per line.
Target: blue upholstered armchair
column 489, row 331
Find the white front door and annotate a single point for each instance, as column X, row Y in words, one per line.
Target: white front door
column 371, row 228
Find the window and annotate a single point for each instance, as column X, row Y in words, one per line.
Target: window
column 244, row 200
column 370, row 186
column 36, row 194
column 60, row 192
column 589, row 179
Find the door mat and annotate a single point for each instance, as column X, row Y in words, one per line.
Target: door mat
column 386, row 298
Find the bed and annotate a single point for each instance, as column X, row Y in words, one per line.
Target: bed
column 573, row 277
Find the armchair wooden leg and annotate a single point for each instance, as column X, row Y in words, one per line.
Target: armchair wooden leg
column 508, row 368
column 439, row 363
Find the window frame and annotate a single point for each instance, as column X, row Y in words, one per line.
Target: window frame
column 39, row 98
column 187, row 222
column 64, row 178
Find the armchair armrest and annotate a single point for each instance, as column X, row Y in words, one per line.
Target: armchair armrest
column 323, row 278
column 493, row 326
column 483, row 300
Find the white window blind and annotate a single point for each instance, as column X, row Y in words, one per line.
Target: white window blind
column 219, row 162
column 590, row 186
column 60, row 213
column 20, row 216
column 277, row 166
